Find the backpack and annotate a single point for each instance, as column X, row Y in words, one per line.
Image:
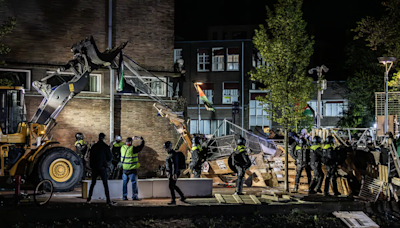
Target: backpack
column 181, row 160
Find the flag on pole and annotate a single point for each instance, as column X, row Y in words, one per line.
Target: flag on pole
column 203, row 97
column 121, row 71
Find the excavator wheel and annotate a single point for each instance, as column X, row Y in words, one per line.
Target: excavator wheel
column 62, row 166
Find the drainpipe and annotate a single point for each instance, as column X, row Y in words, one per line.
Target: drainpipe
column 112, row 86
column 242, row 86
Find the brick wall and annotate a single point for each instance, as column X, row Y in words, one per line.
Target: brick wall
column 47, row 29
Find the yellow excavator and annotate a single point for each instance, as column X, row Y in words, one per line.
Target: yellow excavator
column 27, row 150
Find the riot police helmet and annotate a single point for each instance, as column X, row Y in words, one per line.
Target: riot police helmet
column 330, row 140
column 196, row 140
column 316, row 140
column 241, row 141
column 79, row 136
column 167, row 144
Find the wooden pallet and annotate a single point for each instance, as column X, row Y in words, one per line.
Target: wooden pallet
column 237, row 199
column 355, row 219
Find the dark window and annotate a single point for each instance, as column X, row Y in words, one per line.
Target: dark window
column 18, row 78
column 239, row 35
column 215, row 36
column 224, row 35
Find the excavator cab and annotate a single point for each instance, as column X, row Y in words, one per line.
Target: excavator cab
column 12, row 106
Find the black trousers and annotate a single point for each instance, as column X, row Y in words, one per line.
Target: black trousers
column 240, row 175
column 103, row 175
column 299, row 169
column 175, row 82
column 331, row 174
column 173, row 188
column 316, row 182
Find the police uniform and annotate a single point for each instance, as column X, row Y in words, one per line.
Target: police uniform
column 196, row 160
column 329, row 159
column 302, row 157
column 116, row 152
column 81, row 148
column 315, row 163
column 241, row 162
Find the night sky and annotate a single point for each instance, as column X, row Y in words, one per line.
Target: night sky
column 329, row 21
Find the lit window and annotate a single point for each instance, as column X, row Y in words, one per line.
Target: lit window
column 93, row 85
column 230, row 92
column 233, row 59
column 334, row 108
column 218, row 59
column 203, row 60
column 177, row 54
column 258, row 115
column 158, row 86
column 17, row 76
column 210, row 127
column 258, row 60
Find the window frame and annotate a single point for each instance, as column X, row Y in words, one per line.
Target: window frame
column 175, row 55
column 223, row 94
column 265, row 123
column 218, row 122
column 228, row 62
column 27, row 86
column 91, row 74
column 218, row 56
column 203, row 63
column 164, row 84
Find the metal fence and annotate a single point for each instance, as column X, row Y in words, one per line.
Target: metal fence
column 393, row 104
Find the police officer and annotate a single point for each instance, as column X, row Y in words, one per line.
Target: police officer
column 315, row 163
column 302, row 156
column 116, row 152
column 241, row 161
column 196, row 157
column 80, row 145
column 329, row 158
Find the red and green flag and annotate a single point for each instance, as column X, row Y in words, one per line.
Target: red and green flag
column 203, row 97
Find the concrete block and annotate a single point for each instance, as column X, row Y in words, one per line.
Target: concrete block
column 189, row 186
column 150, row 188
column 115, row 188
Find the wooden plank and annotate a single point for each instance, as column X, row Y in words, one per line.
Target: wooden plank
column 355, row 219
column 394, row 193
column 219, row 198
column 255, row 199
column 238, row 199
column 286, row 197
column 396, row 181
column 268, row 197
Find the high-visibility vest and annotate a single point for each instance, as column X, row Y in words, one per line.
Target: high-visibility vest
column 128, row 158
column 196, row 147
column 80, row 142
column 315, row 147
column 120, row 144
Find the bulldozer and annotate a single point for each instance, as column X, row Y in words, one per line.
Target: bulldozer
column 27, row 150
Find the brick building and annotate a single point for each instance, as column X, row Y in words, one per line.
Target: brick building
column 41, row 42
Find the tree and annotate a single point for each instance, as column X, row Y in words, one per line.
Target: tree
column 6, row 28
column 285, row 46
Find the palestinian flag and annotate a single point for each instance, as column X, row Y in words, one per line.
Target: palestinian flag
column 203, row 97
column 121, row 71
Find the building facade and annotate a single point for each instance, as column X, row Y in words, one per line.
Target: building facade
column 41, row 43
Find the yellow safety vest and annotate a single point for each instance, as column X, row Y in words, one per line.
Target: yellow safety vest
column 196, row 147
column 128, row 158
column 120, row 144
column 80, row 142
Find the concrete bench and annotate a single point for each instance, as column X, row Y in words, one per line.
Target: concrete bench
column 150, row 188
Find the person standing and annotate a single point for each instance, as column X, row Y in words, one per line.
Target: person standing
column 302, row 159
column 80, row 145
column 241, row 162
column 116, row 152
column 130, row 164
column 330, row 161
column 196, row 157
column 179, row 68
column 315, row 163
column 173, row 172
column 100, row 155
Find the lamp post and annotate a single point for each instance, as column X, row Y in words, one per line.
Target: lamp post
column 385, row 61
column 196, row 83
column 319, row 70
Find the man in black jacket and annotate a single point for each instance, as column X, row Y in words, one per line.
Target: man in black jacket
column 173, row 172
column 100, row 155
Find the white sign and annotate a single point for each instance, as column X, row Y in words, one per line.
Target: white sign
column 221, row 164
column 253, row 160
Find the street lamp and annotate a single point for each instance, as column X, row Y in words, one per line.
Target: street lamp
column 385, row 61
column 319, row 70
column 197, row 83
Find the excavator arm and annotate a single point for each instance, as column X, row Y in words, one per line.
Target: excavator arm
column 87, row 58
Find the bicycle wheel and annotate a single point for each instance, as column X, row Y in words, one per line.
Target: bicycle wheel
column 43, row 192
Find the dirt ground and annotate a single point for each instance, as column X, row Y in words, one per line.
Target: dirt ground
column 295, row 219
